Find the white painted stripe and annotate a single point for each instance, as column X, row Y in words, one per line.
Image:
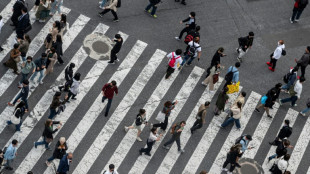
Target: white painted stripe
column 97, row 107
column 248, row 109
column 300, row 148
column 308, row 172
column 291, row 115
column 208, row 137
column 34, row 155
column 8, row 78
column 150, row 106
column 173, row 155
column 6, row 13
column 260, row 132
column 182, row 97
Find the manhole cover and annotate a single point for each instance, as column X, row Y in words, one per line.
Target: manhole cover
column 98, row 46
column 248, row 166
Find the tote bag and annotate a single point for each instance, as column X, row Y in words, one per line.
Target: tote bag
column 160, row 117
column 14, row 119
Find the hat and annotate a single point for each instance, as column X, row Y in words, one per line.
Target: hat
column 249, row 137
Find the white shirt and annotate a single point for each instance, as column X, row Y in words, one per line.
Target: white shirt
column 152, row 137
column 298, row 88
column 1, row 24
column 108, row 172
column 282, row 165
column 178, row 61
column 198, row 47
column 278, row 52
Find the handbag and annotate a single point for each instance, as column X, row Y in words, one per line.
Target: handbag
column 17, row 59
column 233, row 88
column 14, row 119
column 160, row 117
column 215, row 78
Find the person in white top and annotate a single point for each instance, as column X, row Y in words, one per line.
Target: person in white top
column 294, row 92
column 276, row 55
column 283, row 163
column 150, row 142
column 111, row 170
column 174, row 62
column 193, row 52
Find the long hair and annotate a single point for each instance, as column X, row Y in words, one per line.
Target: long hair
column 168, row 104
column 20, row 105
column 48, row 122
column 27, row 38
column 57, row 25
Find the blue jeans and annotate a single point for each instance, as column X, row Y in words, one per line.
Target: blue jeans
column 52, row 113
column 18, row 97
column 24, row 77
column 108, row 105
column 287, row 86
column 41, row 143
column 189, row 61
column 24, row 58
column 149, row 7
column 103, row 2
column 51, row 159
column 230, row 120
column 53, row 7
column 292, row 99
column 16, row 126
column 273, row 156
column 8, row 163
column 305, row 110
column 35, row 74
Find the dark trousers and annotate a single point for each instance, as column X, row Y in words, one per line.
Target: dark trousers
column 19, row 96
column 227, row 83
column 108, row 105
column 172, row 139
column 24, row 77
column 273, row 62
column 20, row 33
column 112, row 11
column 291, row 99
column 296, row 13
column 169, row 72
column 59, row 59
column 113, row 56
column 150, row 6
column 70, row 94
column 52, row 113
column 303, row 71
column 197, row 125
column 186, row 29
column 148, row 149
column 232, row 166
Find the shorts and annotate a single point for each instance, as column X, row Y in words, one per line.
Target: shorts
column 137, row 127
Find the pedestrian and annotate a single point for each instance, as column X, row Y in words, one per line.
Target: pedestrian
column 50, row 60
column 232, row 76
column 303, row 112
column 276, row 55
column 281, row 165
column 102, row 4
column 10, row 154
column 14, row 59
column 36, row 5
column 23, row 23
column 64, row 164
column 168, row 107
column 150, row 142
column 54, row 31
column 212, row 77
column 267, row 102
column 304, row 61
column 68, row 77
column 1, row 25
column 74, row 88
column 60, row 150
column 64, row 25
column 153, row 4
column 111, row 170
column 174, row 61
column 190, row 24
column 182, row 2
column 216, row 59
column 222, row 99
column 24, row 46
column 241, row 99
column 108, row 91
column 299, row 7
column 27, row 67
column 231, row 158
column 140, row 119
column 43, row 10
column 111, row 7
column 244, row 140
column 56, row 6
column 176, row 131
column 17, row 11
column 40, row 66
column 19, row 111
column 23, row 95
column 281, row 149
column 58, row 47
column 284, row 133
column 245, row 43
column 200, row 117
column 48, row 133
column 290, row 79
column 55, row 104
column 236, row 115
column 193, row 52
column 116, row 48
column 295, row 92
column 191, row 35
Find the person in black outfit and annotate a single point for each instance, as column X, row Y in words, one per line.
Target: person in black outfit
column 216, row 59
column 68, row 77
column 17, row 11
column 150, row 142
column 117, row 47
column 194, row 33
column 190, row 25
column 58, row 47
column 60, row 150
column 19, row 112
column 182, row 2
column 48, row 133
column 299, row 7
column 281, row 149
column 304, row 61
column 232, row 155
column 244, row 44
column 285, row 132
column 23, row 22
column 271, row 94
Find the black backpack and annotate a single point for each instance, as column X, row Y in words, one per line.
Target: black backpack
column 239, row 139
column 119, row 3
column 287, row 77
column 289, row 131
column 283, row 53
column 230, row 75
column 192, row 50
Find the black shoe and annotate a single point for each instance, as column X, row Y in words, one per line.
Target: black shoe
column 140, row 152
column 269, row 159
column 73, row 98
column 111, row 62
column 1, row 49
column 257, row 110
column 8, row 168
column 238, row 165
column 100, row 15
column 192, row 131
column 106, row 114
column 272, row 143
column 269, row 116
column 148, row 154
column 184, row 3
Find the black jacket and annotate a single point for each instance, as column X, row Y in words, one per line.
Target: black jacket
column 48, row 131
column 39, row 63
column 59, row 153
column 68, row 73
column 20, row 112
column 281, row 150
column 58, row 47
column 191, row 25
column 56, row 103
column 117, row 47
column 154, row 1
column 23, row 22
column 245, row 41
column 232, row 156
column 283, row 132
column 17, row 11
column 216, row 58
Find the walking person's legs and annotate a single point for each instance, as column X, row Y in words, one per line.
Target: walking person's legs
column 299, row 12
column 169, row 72
column 52, row 113
column 294, row 14
column 303, row 71
column 115, row 15
column 172, row 139
column 227, row 122
column 186, row 29
column 178, row 144
column 108, row 107
column 190, row 60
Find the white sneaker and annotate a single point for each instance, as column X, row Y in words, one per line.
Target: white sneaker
column 126, row 128
column 294, row 105
column 101, row 7
column 302, row 114
column 182, row 151
column 139, row 139
column 291, row 20
column 224, row 169
column 177, row 38
column 203, row 84
column 280, row 102
column 47, row 163
column 41, row 83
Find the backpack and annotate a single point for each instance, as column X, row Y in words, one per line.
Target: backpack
column 230, row 75
column 189, row 37
column 173, row 60
column 173, row 128
column 287, row 77
column 283, row 53
column 119, row 3
column 289, row 132
column 303, row 3
column 192, row 50
column 239, row 139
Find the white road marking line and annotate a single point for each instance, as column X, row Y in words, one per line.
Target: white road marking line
column 182, row 97
column 208, row 137
column 291, row 115
column 172, row 156
column 248, row 109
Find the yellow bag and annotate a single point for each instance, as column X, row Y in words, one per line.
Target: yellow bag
column 233, row 88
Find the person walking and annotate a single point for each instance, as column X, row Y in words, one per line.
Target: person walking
column 284, row 133
column 244, row 140
column 102, row 4
column 236, row 115
column 241, row 99
column 182, row 2
column 74, row 88
column 111, row 7
column 245, row 43
column 23, row 23
column 190, row 25
column 14, row 59
column 304, row 61
column 232, row 76
column 64, row 25
column 40, row 66
column 290, row 79
column 68, row 77
column 174, row 61
column 176, row 131
column 150, row 142
column 17, row 11
column 281, row 149
column 168, row 107
column 231, row 158
column 200, row 117
column 276, row 55
column 153, row 4
column 267, row 102
column 54, row 31
column 282, row 164
column 108, row 91
column 48, row 133
column 212, row 77
column 193, row 52
column 216, row 59
column 294, row 92
column 23, row 95
column 24, row 46
column 116, row 48
column 56, row 6
column 299, row 7
column 64, row 164
column 60, row 150
column 140, row 119
column 19, row 112
column 58, row 47
column 50, row 61
column 111, row 170
column 10, row 154
column 303, row 112
column 43, row 10
column 27, row 67
column 190, row 36
column 55, row 104
column 222, row 99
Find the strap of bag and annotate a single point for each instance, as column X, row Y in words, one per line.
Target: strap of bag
column 16, row 111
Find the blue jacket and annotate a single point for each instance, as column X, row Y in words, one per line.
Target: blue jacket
column 10, row 152
column 63, row 165
column 39, row 63
column 24, row 93
column 236, row 74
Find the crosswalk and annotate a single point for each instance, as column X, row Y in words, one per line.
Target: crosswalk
column 125, row 152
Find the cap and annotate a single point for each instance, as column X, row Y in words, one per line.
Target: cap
column 249, row 137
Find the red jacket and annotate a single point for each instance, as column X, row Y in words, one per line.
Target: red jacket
column 108, row 90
